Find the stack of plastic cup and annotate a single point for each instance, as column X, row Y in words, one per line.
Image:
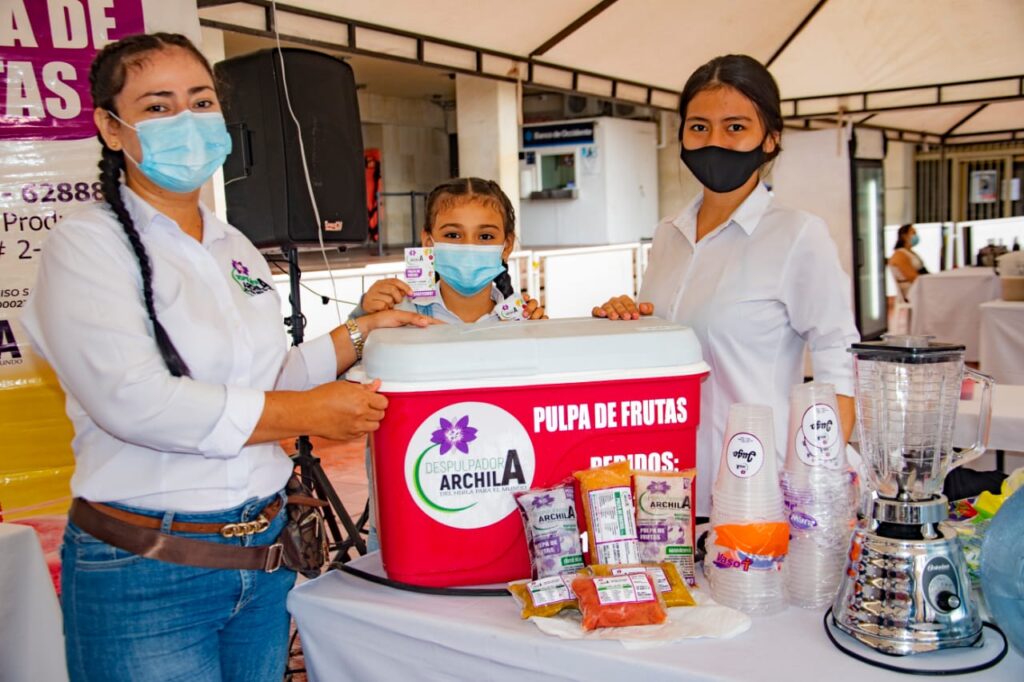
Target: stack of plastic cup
column 746, row 492
column 819, row 497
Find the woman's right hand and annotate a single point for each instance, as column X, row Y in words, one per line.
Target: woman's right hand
column 622, row 308
column 343, row 410
column 385, row 294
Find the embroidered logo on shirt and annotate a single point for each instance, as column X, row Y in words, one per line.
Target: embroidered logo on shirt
column 250, row 285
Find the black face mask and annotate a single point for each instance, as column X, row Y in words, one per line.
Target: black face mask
column 722, row 170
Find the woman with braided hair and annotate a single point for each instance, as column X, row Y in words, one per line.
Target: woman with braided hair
column 166, row 335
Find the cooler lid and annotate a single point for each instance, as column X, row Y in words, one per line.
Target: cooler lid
column 502, row 349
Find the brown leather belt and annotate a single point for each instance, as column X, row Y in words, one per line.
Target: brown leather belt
column 145, row 538
column 228, row 530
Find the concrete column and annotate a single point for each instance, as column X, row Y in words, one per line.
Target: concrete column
column 488, row 129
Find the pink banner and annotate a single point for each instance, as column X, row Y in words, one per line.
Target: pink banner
column 46, row 47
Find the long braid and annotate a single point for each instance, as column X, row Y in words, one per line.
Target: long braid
column 111, row 165
column 106, row 79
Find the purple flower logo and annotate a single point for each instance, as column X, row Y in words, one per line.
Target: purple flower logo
column 239, row 267
column 457, row 435
column 543, row 501
column 657, row 487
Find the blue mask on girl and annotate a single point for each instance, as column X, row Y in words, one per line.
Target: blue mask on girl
column 467, row 268
column 915, row 240
column 181, row 152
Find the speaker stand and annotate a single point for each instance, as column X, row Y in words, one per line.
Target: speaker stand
column 345, row 536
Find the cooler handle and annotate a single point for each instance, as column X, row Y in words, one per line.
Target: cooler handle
column 984, row 420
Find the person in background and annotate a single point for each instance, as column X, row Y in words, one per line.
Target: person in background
column 757, row 282
column 904, row 264
column 165, row 332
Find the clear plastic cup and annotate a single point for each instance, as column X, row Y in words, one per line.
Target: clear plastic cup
column 814, row 445
column 748, row 464
column 726, row 509
column 748, row 589
column 812, row 575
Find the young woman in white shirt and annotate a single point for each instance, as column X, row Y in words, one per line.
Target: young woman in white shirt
column 756, row 281
column 165, row 331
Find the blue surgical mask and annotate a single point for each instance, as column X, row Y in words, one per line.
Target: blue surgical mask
column 915, row 240
column 181, row 152
column 467, row 268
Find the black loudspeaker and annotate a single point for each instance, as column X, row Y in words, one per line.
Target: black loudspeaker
column 264, row 181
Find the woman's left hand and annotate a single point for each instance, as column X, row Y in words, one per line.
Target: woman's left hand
column 393, row 318
column 533, row 310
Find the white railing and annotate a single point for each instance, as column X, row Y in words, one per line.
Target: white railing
column 568, row 282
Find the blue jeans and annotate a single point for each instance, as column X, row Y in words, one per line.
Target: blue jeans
column 131, row 618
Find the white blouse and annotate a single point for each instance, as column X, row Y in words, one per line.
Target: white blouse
column 142, row 436
column 756, row 290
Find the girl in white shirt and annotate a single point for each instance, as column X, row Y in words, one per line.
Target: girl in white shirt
column 470, row 224
column 166, row 335
column 756, row 281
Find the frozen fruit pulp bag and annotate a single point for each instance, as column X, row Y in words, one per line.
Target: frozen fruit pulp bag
column 618, row 601
column 552, row 533
column 545, row 597
column 609, row 514
column 664, row 518
column 665, row 575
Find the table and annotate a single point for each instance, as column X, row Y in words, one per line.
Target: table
column 1002, row 341
column 945, row 305
column 353, row 629
column 31, row 630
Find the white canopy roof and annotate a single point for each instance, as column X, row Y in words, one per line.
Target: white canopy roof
column 936, row 70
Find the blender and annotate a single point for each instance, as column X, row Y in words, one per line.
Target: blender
column 906, row 588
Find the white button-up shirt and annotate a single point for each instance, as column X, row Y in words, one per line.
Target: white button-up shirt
column 755, row 290
column 142, row 436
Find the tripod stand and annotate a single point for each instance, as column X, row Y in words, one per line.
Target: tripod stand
column 310, row 469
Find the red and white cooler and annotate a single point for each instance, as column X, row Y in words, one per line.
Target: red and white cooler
column 477, row 413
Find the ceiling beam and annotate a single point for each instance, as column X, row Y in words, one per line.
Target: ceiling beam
column 795, row 33
column 964, row 120
column 573, row 27
column 571, row 75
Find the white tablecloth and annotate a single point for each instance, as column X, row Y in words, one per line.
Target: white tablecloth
column 1002, row 341
column 31, row 631
column 352, row 629
column 1007, row 430
column 945, row 305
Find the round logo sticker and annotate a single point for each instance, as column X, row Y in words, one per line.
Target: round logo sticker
column 821, row 426
column 745, row 455
column 812, row 456
column 464, row 462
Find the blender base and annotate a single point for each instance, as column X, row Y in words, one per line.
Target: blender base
column 984, row 654
column 904, row 597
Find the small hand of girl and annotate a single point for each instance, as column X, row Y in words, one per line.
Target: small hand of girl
column 385, row 294
column 623, row 308
column 533, row 310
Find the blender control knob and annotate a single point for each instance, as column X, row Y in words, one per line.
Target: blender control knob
column 948, row 601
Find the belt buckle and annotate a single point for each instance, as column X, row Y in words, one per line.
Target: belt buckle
column 275, row 557
column 234, row 530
